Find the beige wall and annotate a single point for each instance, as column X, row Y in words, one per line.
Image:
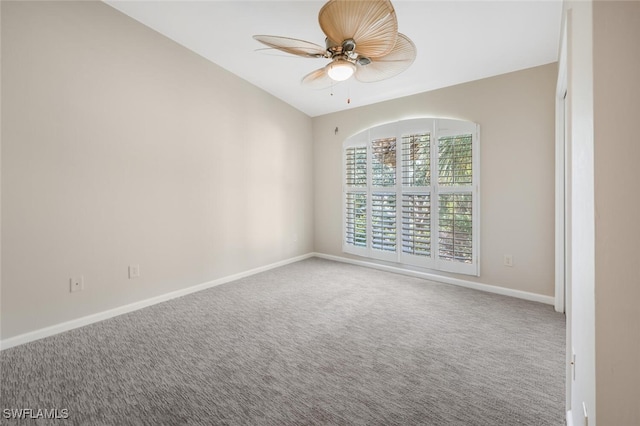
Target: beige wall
column 616, row 71
column 516, row 116
column 120, row 147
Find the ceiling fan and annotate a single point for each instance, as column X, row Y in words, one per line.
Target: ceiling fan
column 362, row 40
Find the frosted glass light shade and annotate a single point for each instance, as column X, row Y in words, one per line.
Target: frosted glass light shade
column 340, row 70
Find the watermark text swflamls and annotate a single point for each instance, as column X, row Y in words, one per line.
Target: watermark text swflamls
column 39, row 413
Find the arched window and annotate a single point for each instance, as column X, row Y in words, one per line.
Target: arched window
column 411, row 194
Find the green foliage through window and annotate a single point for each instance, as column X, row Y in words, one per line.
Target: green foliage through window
column 416, row 160
column 455, row 160
column 383, row 162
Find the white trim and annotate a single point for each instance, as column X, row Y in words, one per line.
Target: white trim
column 563, row 205
column 110, row 313
column 477, row 201
column 534, row 297
column 561, row 177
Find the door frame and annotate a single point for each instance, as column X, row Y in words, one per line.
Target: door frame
column 563, row 283
column 561, row 179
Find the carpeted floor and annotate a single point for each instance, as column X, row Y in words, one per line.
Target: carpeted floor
column 312, row 343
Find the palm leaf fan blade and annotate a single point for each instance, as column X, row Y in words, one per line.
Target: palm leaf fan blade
column 292, row 45
column 400, row 58
column 318, row 79
column 371, row 24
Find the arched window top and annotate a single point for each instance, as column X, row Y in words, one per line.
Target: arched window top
column 414, row 125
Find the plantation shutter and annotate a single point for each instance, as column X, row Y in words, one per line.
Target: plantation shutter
column 416, row 224
column 455, row 202
column 411, row 194
column 383, row 222
column 416, row 199
column 383, row 194
column 355, row 225
column 455, row 227
column 356, row 167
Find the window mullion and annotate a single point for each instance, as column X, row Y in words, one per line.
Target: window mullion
column 369, row 197
column 475, row 154
column 435, row 204
column 399, row 187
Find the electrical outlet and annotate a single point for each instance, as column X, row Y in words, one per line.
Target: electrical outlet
column 134, row 271
column 76, row 284
column 508, row 260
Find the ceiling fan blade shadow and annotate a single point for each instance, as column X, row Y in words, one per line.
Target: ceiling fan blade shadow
column 318, row 80
column 387, row 66
column 371, row 24
column 292, row 46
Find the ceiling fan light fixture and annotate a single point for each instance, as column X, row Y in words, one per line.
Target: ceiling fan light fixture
column 340, row 70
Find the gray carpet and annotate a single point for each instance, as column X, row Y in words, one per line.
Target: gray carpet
column 312, row 343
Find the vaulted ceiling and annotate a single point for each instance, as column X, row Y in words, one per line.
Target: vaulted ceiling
column 457, row 41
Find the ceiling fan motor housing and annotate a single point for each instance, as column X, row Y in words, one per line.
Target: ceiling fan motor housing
column 349, row 45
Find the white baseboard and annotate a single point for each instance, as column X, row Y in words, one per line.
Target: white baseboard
column 549, row 300
column 100, row 316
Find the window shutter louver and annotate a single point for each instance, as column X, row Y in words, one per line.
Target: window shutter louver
column 416, row 224
column 383, row 222
column 356, row 167
column 455, row 227
column 356, row 219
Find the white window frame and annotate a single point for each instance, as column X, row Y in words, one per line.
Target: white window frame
column 436, row 128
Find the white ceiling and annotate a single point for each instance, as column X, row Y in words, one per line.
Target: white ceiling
column 457, row 41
